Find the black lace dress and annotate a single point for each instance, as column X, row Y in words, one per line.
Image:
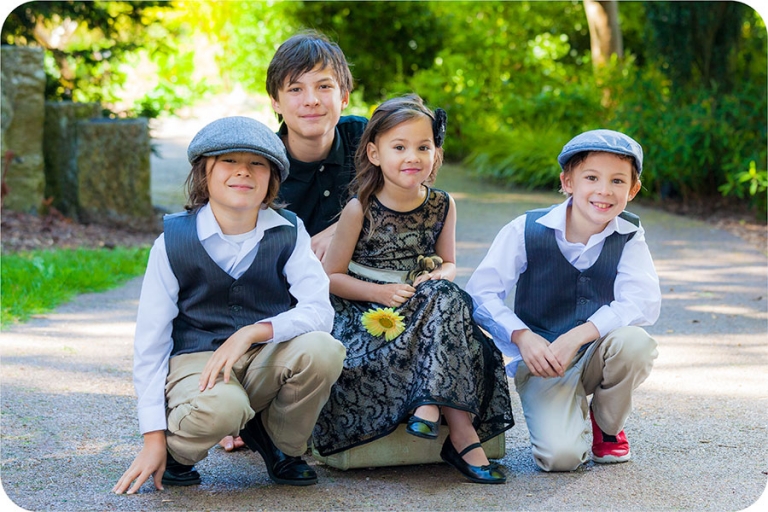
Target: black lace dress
column 442, row 357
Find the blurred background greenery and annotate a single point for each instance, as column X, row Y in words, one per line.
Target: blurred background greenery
column 518, row 79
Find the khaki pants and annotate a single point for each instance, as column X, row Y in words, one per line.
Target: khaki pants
column 556, row 409
column 287, row 382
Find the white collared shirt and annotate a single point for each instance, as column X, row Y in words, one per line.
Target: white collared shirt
column 307, row 282
column 637, row 296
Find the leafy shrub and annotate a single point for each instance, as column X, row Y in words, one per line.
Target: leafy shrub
column 522, row 157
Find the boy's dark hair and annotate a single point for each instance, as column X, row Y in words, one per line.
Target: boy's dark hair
column 579, row 158
column 197, row 185
column 302, row 53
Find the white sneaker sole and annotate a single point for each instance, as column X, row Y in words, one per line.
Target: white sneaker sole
column 611, row 459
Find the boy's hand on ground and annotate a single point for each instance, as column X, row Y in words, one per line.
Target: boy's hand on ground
column 537, row 354
column 150, row 461
column 231, row 350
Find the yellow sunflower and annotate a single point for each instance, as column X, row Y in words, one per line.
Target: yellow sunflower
column 383, row 321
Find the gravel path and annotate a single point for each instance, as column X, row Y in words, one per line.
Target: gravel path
column 699, row 430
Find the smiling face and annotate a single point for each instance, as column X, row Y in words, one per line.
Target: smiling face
column 238, row 183
column 311, row 104
column 601, row 186
column 405, row 153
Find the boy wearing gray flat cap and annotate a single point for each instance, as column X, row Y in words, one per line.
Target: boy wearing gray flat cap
column 584, row 282
column 233, row 321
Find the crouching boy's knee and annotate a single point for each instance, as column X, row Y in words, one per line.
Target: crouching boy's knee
column 323, row 354
column 560, row 457
column 634, row 344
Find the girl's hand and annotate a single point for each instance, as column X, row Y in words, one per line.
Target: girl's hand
column 430, row 276
column 231, row 350
column 395, row 295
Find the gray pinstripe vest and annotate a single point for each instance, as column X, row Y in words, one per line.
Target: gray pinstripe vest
column 212, row 304
column 553, row 296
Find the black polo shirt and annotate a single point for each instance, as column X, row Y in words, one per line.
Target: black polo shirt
column 317, row 191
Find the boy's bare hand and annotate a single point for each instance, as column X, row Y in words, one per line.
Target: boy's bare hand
column 149, row 462
column 230, row 351
column 537, row 354
column 395, row 295
column 567, row 345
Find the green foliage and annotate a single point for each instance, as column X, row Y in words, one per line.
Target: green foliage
column 751, row 184
column 521, row 157
column 385, row 42
column 86, row 43
column 36, row 282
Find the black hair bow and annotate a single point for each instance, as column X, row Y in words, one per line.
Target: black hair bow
column 439, row 125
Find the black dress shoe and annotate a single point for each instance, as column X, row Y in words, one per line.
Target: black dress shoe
column 282, row 468
column 177, row 473
column 488, row 474
column 422, row 428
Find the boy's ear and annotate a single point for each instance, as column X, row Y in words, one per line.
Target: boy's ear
column 275, row 105
column 373, row 153
column 565, row 183
column 635, row 189
column 344, row 100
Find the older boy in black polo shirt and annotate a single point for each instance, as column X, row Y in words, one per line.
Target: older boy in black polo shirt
column 309, row 81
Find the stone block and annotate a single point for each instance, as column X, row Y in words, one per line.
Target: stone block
column 23, row 112
column 113, row 162
column 399, row 449
column 59, row 152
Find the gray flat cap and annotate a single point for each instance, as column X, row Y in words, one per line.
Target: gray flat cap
column 603, row 140
column 239, row 134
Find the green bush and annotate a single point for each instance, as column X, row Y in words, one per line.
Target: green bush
column 37, row 281
column 521, row 157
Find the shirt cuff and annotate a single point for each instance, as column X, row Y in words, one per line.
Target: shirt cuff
column 151, row 419
column 605, row 320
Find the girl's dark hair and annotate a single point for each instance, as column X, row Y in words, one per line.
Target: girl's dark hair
column 303, row 53
column 391, row 113
column 197, row 185
column 578, row 158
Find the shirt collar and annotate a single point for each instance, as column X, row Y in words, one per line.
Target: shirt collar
column 555, row 219
column 336, row 155
column 208, row 227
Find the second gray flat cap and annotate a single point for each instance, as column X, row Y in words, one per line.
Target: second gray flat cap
column 603, row 140
column 239, row 134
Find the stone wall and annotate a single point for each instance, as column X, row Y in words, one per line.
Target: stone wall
column 60, row 152
column 93, row 169
column 23, row 90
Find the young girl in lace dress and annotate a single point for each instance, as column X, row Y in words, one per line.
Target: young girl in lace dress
column 413, row 351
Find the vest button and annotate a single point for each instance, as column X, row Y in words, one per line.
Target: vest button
column 321, row 169
column 583, row 279
column 236, row 308
column 237, row 289
column 582, row 300
column 327, row 193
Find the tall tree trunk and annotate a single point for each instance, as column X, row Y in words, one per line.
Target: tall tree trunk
column 604, row 31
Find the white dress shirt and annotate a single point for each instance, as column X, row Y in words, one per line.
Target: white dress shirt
column 637, row 296
column 158, row 307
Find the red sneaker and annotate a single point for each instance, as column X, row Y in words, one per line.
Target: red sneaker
column 608, row 449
